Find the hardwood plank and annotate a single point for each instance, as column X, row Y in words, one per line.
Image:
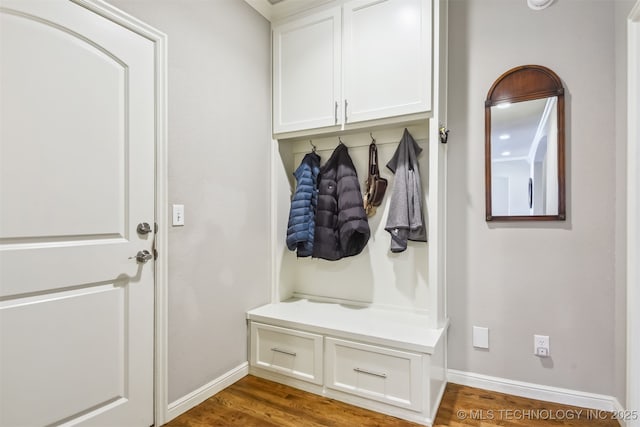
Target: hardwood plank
column 303, row 405
column 254, row 401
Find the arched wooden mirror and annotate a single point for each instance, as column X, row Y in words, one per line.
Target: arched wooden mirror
column 524, row 146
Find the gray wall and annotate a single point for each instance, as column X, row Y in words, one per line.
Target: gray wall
column 561, row 279
column 219, row 138
column 552, row 278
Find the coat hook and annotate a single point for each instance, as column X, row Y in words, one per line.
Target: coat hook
column 444, row 134
column 373, row 140
column 340, row 140
column 314, row 148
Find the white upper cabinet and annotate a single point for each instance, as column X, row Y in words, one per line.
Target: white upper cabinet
column 364, row 60
column 386, row 51
column 306, row 78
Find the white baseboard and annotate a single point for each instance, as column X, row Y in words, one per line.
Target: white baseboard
column 536, row 391
column 196, row 397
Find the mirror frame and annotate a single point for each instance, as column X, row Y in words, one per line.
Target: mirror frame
column 526, row 83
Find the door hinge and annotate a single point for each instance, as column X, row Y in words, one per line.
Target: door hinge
column 155, row 250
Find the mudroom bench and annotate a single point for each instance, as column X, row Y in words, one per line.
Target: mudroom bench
column 381, row 359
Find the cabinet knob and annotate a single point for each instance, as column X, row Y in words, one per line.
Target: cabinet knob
column 335, row 114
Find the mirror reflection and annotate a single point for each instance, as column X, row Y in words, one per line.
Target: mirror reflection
column 524, row 146
column 524, row 158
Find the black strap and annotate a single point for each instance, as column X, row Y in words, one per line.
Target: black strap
column 373, row 160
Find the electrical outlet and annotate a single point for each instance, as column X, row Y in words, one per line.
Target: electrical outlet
column 480, row 337
column 541, row 345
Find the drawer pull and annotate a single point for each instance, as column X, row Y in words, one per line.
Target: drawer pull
column 375, row 374
column 277, row 350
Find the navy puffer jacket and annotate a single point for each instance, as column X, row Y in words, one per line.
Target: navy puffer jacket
column 342, row 229
column 301, row 226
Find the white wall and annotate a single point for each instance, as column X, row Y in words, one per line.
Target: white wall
column 633, row 213
column 377, row 276
column 517, row 172
column 219, row 136
column 621, row 12
column 551, row 278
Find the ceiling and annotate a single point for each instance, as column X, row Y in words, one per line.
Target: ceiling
column 274, row 10
column 514, row 128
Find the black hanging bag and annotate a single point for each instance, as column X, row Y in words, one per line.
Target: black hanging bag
column 375, row 185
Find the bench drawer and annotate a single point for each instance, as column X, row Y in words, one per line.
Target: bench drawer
column 287, row 351
column 378, row 373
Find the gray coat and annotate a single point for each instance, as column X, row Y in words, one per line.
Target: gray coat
column 406, row 213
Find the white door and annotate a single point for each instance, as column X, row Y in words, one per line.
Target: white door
column 76, row 178
column 386, row 58
column 306, row 67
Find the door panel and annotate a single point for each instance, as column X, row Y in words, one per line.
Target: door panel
column 82, row 339
column 387, row 58
column 92, row 127
column 306, row 58
column 77, row 135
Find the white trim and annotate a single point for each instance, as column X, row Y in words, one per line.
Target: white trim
column 433, row 411
column 263, row 7
column 535, row 391
column 161, row 193
column 161, row 393
column 443, row 102
column 196, row 397
column 274, row 12
column 633, row 211
column 273, row 213
column 541, row 131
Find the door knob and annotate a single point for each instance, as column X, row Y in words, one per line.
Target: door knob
column 143, row 256
column 144, row 228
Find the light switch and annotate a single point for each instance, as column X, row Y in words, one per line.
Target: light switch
column 480, row 337
column 178, row 214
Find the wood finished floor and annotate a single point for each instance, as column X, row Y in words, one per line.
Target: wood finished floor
column 253, row 402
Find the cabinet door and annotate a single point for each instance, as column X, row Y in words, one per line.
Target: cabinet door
column 306, row 72
column 288, row 352
column 378, row 373
column 387, row 58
